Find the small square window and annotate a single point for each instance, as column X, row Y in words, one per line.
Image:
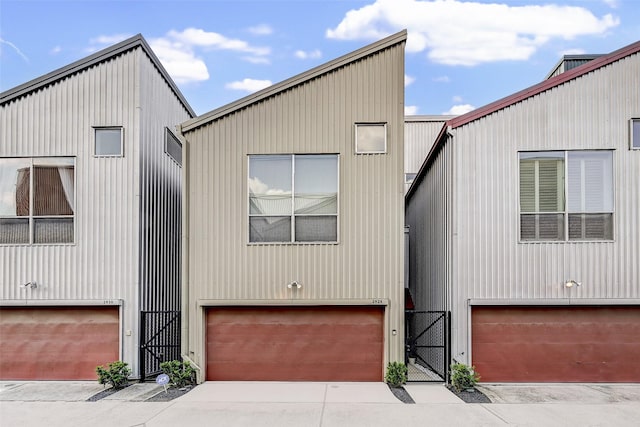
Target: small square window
column 108, row 142
column 409, row 177
column 634, row 134
column 371, row 138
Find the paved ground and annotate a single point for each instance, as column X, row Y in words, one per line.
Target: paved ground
column 283, row 404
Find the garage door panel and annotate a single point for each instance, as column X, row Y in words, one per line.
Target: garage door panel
column 542, row 344
column 295, row 343
column 57, row 343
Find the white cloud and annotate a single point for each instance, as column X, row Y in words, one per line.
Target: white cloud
column 410, row 110
column 55, row 50
column 249, row 85
column 261, row 30
column 207, row 39
column 109, row 40
column 572, row 52
column 611, row 3
column 180, row 61
column 257, row 59
column 14, row 47
column 470, row 33
column 457, row 110
column 408, row 80
column 312, row 54
column 442, row 79
column 457, row 99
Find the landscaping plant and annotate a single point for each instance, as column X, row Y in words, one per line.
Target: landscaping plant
column 463, row 377
column 396, row 374
column 181, row 374
column 116, row 374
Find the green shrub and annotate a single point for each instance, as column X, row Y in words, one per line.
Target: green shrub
column 463, row 376
column 396, row 374
column 116, row 374
column 180, row 373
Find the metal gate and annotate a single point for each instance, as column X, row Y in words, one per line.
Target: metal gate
column 159, row 340
column 427, row 349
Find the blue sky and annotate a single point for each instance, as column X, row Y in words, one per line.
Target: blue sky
column 460, row 54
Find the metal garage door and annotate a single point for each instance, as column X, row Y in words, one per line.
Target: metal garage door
column 295, row 343
column 556, row 344
column 57, row 343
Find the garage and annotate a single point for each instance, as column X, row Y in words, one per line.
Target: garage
column 57, row 343
column 556, row 344
column 325, row 343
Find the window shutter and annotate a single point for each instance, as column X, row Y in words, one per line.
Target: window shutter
column 527, row 186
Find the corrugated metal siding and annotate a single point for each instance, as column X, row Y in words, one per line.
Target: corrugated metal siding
column 315, row 117
column 160, row 193
column 418, row 139
column 589, row 112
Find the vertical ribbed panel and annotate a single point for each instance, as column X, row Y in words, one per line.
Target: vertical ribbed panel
column 419, row 134
column 316, row 116
column 487, row 260
column 102, row 264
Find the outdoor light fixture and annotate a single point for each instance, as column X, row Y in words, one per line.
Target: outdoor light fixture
column 294, row 285
column 571, row 284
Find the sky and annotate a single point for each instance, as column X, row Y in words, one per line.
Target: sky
column 460, row 55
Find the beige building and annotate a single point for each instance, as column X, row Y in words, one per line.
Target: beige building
column 293, row 251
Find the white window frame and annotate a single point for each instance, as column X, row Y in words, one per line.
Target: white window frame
column 292, row 214
column 373, row 124
column 96, row 129
column 566, row 212
column 634, row 125
column 32, row 217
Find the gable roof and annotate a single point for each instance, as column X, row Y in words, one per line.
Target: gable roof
column 94, row 59
column 441, row 139
column 295, row 81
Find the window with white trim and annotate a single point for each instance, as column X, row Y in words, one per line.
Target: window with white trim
column 37, row 200
column 566, row 195
column 634, row 134
column 293, row 198
column 371, row 138
column 108, row 142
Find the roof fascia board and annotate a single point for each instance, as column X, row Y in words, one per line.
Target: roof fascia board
column 428, row 118
column 545, row 85
column 89, row 61
column 295, row 81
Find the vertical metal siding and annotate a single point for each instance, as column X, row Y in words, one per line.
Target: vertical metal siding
column 314, row 117
column 419, row 136
column 57, row 120
column 488, row 262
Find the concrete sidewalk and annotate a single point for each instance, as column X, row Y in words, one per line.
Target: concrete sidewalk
column 328, row 405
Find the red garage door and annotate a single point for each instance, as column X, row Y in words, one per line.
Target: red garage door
column 556, row 344
column 295, row 343
column 57, row 343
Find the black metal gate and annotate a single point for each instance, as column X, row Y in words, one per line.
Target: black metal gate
column 159, row 340
column 427, row 349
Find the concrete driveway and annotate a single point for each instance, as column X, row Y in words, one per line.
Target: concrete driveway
column 327, row 405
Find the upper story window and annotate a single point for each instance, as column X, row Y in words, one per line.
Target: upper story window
column 634, row 133
column 172, row 146
column 371, row 138
column 293, row 198
column 409, row 177
column 566, row 195
column 37, row 200
column 108, row 142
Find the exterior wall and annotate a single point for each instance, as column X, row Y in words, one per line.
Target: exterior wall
column 160, row 193
column 589, row 112
column 315, row 116
column 464, row 214
column 419, row 134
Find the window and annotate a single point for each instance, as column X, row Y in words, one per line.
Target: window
column 108, row 142
column 409, row 177
column 37, row 200
column 371, row 138
column 293, row 198
column 566, row 195
column 634, row 134
column 172, row 146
